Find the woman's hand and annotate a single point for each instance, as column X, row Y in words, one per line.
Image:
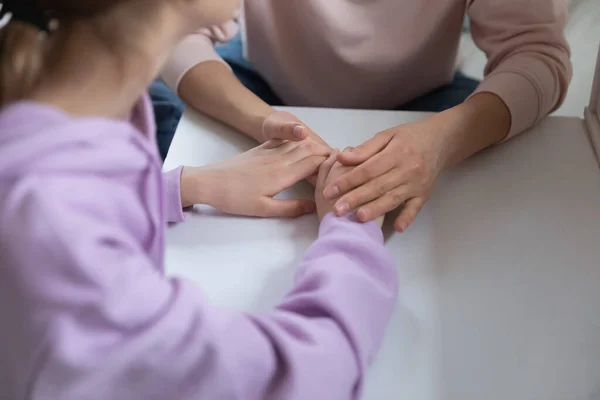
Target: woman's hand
column 286, row 126
column 247, row 183
column 398, row 166
column 329, row 171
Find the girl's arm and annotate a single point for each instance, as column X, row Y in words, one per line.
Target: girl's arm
column 93, row 317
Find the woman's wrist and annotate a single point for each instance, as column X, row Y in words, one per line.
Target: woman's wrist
column 481, row 121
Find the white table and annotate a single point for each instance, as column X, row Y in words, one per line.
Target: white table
column 499, row 275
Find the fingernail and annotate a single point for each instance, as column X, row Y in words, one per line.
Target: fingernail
column 342, row 209
column 402, row 227
column 362, row 215
column 348, row 149
column 334, row 191
column 299, row 131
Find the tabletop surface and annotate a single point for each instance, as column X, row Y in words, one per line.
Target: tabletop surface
column 499, row 275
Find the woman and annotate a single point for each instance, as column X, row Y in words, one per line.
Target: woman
column 391, row 54
column 86, row 310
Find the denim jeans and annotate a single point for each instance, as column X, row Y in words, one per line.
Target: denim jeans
column 168, row 107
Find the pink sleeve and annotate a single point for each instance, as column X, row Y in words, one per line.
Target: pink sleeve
column 195, row 49
column 529, row 65
column 172, row 195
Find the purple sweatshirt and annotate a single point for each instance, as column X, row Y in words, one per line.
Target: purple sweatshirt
column 88, row 313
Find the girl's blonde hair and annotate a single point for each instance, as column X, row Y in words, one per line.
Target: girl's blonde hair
column 22, row 44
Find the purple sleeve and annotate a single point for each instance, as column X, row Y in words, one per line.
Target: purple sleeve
column 172, row 189
column 100, row 321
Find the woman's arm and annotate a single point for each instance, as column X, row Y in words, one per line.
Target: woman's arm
column 204, row 81
column 212, row 88
column 102, row 322
column 529, row 66
column 527, row 76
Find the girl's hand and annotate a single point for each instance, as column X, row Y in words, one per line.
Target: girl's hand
column 247, row 183
column 329, row 171
column 398, row 166
column 286, row 126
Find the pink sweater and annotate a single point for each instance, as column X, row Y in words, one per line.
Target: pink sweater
column 381, row 54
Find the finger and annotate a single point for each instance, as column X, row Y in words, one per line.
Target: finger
column 409, row 213
column 285, row 147
column 271, row 208
column 314, row 147
column 371, row 169
column 313, row 179
column 305, row 149
column 297, row 172
column 294, row 131
column 370, row 191
column 325, row 169
column 384, row 204
column 272, row 144
column 360, row 154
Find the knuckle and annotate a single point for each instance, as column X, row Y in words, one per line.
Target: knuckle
column 396, row 198
column 273, row 158
column 405, row 151
column 343, row 184
column 417, row 165
column 322, row 168
column 306, row 147
column 368, row 174
column 274, row 175
column 358, row 149
column 381, row 190
column 360, row 174
column 383, row 134
column 319, row 160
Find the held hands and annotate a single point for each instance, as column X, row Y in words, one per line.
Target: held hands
column 397, row 166
column 247, row 183
column 286, row 126
column 329, row 171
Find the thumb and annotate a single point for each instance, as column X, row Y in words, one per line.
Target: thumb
column 289, row 130
column 286, row 208
column 358, row 155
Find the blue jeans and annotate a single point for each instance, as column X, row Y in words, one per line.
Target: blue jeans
column 168, row 107
column 437, row 100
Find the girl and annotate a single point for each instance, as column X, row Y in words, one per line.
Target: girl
column 390, row 54
column 87, row 311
